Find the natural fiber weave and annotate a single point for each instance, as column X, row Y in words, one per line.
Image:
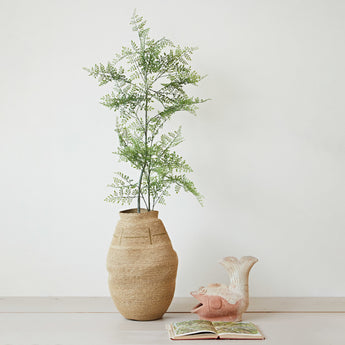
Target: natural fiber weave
column 142, row 266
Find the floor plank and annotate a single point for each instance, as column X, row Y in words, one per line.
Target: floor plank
column 112, row 329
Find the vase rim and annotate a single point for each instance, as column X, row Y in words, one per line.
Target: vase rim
column 132, row 212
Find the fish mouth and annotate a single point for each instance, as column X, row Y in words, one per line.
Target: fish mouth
column 196, row 308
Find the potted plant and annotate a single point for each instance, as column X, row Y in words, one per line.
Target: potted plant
column 148, row 82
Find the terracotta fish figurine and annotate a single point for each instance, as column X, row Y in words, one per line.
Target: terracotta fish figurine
column 219, row 302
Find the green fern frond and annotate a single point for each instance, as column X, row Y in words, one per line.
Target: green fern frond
column 149, row 80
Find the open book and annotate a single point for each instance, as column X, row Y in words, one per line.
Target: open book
column 201, row 329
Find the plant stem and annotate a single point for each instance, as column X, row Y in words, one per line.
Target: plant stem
column 148, row 190
column 144, row 200
column 146, row 148
column 139, row 186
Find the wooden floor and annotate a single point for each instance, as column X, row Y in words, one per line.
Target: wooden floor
column 90, row 321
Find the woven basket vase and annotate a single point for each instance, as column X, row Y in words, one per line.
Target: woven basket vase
column 142, row 266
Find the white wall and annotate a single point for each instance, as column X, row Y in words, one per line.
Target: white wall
column 268, row 151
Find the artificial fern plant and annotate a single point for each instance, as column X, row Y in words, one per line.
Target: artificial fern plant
column 148, row 80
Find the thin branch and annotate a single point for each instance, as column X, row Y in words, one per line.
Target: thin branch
column 139, row 186
column 160, row 196
column 144, row 201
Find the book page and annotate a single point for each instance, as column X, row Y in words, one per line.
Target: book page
column 192, row 327
column 246, row 329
